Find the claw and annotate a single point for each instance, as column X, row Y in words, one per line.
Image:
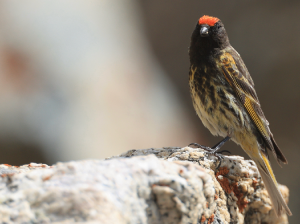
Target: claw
column 224, row 151
column 219, row 165
column 219, row 156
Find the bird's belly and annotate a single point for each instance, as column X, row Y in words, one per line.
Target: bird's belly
column 215, row 121
column 235, row 123
column 223, row 116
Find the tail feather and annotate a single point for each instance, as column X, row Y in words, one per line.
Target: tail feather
column 278, row 154
column 270, row 182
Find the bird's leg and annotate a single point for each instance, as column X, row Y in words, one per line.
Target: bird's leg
column 214, row 149
column 219, row 145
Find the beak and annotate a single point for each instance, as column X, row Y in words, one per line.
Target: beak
column 204, row 31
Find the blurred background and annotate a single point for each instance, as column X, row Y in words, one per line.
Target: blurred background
column 92, row 79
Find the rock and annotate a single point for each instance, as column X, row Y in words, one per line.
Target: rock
column 167, row 185
column 240, row 194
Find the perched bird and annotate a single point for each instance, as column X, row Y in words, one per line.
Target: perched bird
column 224, row 98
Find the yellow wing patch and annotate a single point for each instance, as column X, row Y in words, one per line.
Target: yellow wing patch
column 193, row 71
column 257, row 120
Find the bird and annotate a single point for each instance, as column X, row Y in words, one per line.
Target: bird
column 225, row 100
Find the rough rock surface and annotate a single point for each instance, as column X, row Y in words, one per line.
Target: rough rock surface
column 167, row 185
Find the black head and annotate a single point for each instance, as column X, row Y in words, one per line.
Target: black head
column 209, row 35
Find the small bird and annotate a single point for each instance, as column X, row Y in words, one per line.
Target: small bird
column 225, row 100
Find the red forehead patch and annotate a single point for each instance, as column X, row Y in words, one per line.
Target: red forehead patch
column 209, row 20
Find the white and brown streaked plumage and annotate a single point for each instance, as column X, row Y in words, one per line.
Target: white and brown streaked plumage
column 225, row 100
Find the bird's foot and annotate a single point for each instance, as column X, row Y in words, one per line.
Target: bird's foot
column 219, row 155
column 214, row 149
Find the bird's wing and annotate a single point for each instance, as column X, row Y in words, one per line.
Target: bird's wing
column 237, row 75
column 240, row 66
column 245, row 91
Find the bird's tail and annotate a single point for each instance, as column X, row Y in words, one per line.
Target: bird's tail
column 270, row 182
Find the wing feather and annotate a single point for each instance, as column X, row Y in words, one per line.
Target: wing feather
column 247, row 96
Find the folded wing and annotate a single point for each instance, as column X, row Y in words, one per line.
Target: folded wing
column 237, row 76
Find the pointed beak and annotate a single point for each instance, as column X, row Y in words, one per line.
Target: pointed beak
column 204, row 31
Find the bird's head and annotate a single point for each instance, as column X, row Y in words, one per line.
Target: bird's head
column 210, row 34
